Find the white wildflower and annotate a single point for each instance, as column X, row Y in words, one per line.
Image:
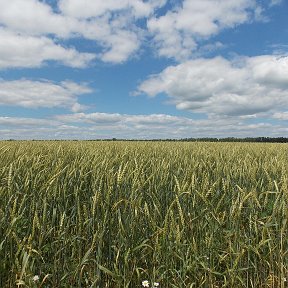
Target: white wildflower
column 35, row 278
column 156, row 284
column 145, row 283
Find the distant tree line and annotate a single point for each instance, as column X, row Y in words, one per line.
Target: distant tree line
column 210, row 139
column 234, row 139
column 227, row 139
column 203, row 139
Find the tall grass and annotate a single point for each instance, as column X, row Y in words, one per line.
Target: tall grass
column 111, row 214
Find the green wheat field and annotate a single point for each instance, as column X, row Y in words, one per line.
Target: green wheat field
column 113, row 214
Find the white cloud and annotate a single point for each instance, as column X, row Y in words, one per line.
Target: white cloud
column 27, row 122
column 121, row 45
column 281, row 115
column 115, row 28
column 217, row 86
column 177, row 33
column 17, row 50
column 167, row 126
column 113, row 118
column 105, row 125
column 35, row 94
column 86, row 9
column 34, row 18
column 110, row 24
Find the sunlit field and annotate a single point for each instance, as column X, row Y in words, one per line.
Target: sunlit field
column 114, row 214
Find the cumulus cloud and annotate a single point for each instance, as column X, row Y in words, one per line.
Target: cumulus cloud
column 167, row 126
column 120, row 45
column 18, row 50
column 110, row 24
column 217, row 86
column 87, row 9
column 34, row 18
column 35, row 94
column 129, row 126
column 26, row 30
column 115, row 28
column 177, row 33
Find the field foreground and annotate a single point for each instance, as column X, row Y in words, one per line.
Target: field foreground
column 112, row 214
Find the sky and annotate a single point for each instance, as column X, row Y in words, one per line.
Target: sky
column 143, row 69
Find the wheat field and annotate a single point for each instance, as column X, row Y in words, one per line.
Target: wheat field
column 112, row 214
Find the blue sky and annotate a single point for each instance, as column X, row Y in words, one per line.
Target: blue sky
column 143, row 69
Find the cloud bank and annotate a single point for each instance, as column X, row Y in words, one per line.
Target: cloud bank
column 42, row 94
column 177, row 33
column 129, row 126
column 217, row 86
column 117, row 27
